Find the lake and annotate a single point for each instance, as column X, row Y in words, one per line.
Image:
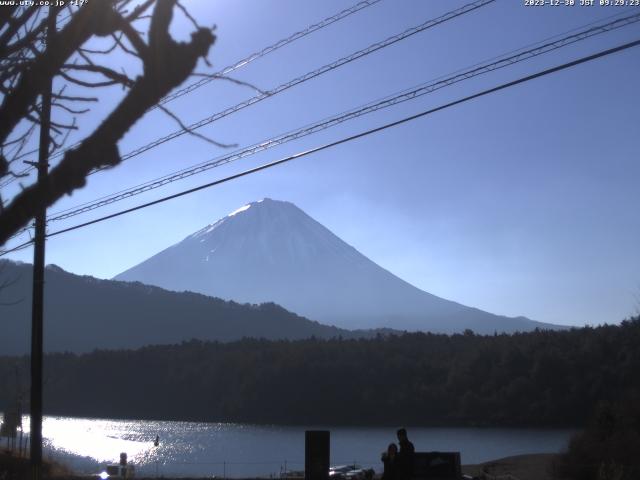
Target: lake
column 241, row 450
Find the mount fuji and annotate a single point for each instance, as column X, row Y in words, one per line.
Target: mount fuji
column 271, row 251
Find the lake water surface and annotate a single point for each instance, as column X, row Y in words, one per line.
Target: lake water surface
column 241, row 450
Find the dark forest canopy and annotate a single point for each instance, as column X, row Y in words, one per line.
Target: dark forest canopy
column 542, row 378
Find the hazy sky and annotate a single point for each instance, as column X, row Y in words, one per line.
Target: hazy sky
column 524, row 202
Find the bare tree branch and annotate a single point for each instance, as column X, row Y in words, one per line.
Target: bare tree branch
column 5, row 15
column 166, row 63
column 135, row 40
column 69, row 109
column 139, row 10
column 57, row 145
column 95, row 18
column 188, row 15
column 85, row 51
column 82, row 83
column 74, row 98
column 242, row 83
column 23, row 42
column 114, row 76
column 14, row 25
column 194, row 133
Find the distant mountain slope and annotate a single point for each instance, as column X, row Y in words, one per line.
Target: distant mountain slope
column 84, row 313
column 272, row 251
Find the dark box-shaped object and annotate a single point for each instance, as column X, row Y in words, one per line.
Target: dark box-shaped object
column 316, row 455
column 437, row 466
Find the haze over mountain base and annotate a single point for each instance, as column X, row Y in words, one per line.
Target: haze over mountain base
column 271, row 251
column 84, row 313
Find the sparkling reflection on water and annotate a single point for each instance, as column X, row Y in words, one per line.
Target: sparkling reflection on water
column 241, row 450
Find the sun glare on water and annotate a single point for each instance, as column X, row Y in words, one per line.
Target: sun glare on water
column 101, row 440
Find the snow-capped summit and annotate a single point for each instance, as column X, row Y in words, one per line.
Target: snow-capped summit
column 271, row 251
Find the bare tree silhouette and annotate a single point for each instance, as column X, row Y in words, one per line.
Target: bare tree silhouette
column 27, row 61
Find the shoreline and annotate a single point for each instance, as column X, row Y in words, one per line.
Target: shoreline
column 533, row 466
column 267, row 424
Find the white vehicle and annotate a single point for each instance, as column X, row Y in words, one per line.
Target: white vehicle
column 355, row 474
column 344, row 472
column 117, row 471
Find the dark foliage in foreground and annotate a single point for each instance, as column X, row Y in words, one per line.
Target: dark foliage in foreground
column 543, row 378
column 13, row 467
column 609, row 447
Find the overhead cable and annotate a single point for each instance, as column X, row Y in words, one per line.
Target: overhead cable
column 306, row 77
column 372, row 131
column 271, row 48
column 329, row 122
column 235, row 66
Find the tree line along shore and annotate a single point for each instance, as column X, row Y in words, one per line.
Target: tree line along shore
column 540, row 378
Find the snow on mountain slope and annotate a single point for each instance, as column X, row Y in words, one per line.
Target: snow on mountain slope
column 271, row 251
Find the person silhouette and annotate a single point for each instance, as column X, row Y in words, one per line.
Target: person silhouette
column 404, row 459
column 156, row 442
column 389, row 459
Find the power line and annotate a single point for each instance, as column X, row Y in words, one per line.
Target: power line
column 509, row 57
column 305, row 153
column 271, row 48
column 557, row 37
column 17, row 248
column 235, row 66
column 307, row 76
column 329, row 122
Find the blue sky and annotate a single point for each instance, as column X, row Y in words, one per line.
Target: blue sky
column 524, row 202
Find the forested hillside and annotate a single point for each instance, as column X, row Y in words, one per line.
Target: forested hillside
column 84, row 313
column 551, row 378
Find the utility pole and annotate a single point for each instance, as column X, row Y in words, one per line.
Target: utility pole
column 37, row 305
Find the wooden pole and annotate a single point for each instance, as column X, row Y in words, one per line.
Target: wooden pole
column 37, row 309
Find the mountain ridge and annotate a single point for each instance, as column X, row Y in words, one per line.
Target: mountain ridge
column 271, row 250
column 84, row 313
